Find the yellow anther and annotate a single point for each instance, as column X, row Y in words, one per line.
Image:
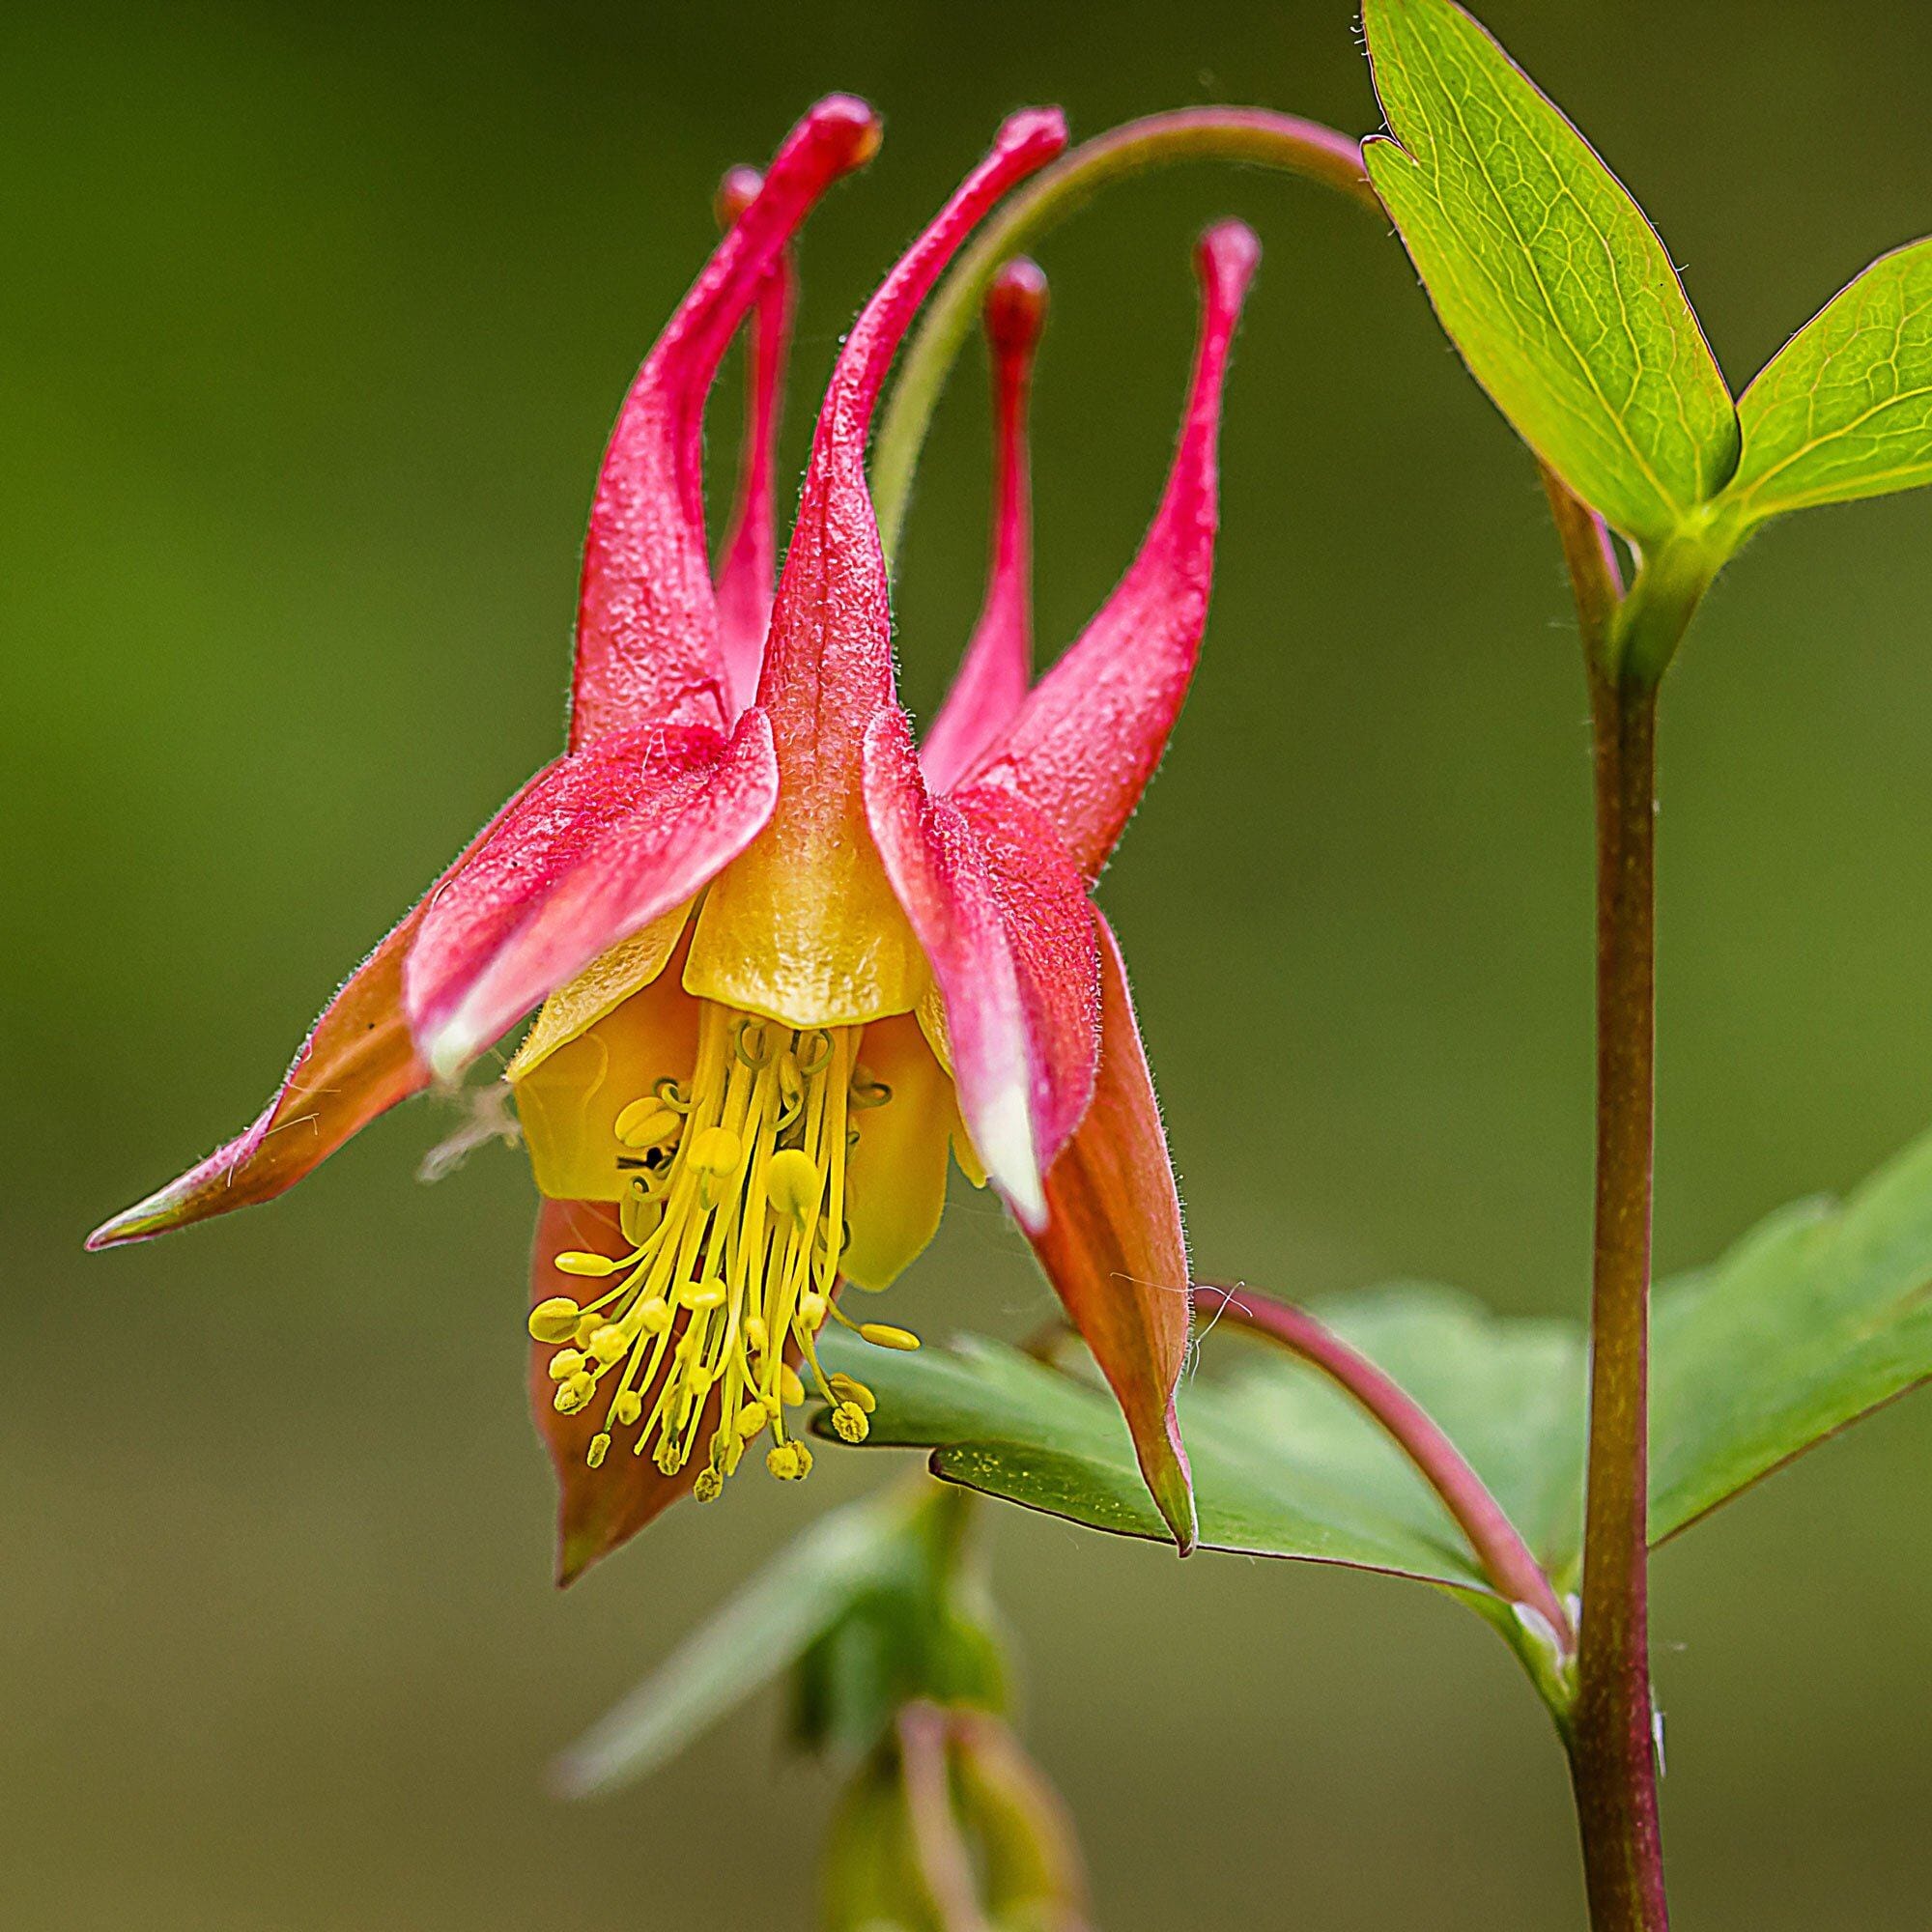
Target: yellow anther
column 587, row 1325
column 812, row 1311
column 608, row 1343
column 565, row 1364
column 707, row 1487
column 848, row 1419
column 803, row 1458
column 752, row 1420
column 849, row 1388
column 648, row 1124
column 788, row 1461
column 599, row 1447
column 791, row 1391
column 702, row 1295
column 654, row 1317
column 575, row 1261
column 554, row 1319
column 717, row 1151
column 792, row 1183
column 756, row 1333
column 574, row 1394
column 669, row 1457
column 883, row 1335
column 629, row 1407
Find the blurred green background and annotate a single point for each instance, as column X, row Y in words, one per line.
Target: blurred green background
column 312, row 322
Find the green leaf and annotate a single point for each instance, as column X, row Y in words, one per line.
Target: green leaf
column 1283, row 1464
column 1844, row 408
column 1817, row 1317
column 758, row 1633
column 1545, row 274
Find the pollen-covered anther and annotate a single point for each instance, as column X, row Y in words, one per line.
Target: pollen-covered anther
column 707, row 1485
column 599, row 1447
column 789, row 1461
column 849, row 1388
column 608, row 1343
column 848, row 1422
column 565, row 1364
column 574, row 1393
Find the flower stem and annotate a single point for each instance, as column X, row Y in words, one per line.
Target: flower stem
column 1254, row 134
column 1612, row 1757
column 1499, row 1548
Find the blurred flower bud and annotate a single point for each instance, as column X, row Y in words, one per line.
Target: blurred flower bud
column 949, row 1827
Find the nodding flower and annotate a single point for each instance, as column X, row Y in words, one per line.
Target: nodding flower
column 782, row 959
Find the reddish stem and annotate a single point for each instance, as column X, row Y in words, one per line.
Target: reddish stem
column 1499, row 1548
column 1613, row 1765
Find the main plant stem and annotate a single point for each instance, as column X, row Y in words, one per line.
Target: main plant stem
column 1612, row 1756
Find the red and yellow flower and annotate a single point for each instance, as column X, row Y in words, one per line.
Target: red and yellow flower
column 784, row 960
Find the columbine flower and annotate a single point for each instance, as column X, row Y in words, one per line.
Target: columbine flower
column 784, row 964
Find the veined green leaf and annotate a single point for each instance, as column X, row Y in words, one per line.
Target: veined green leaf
column 1545, row 274
column 1311, row 1482
column 1820, row 1316
column 1844, row 408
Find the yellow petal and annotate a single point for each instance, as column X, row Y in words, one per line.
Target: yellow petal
column 896, row 1176
column 570, row 1101
column 602, row 986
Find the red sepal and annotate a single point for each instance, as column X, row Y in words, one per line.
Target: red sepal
column 993, row 675
column 1087, row 741
column 647, row 633
column 1114, row 1249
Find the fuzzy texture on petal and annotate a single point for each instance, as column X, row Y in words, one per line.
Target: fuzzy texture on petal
column 1085, row 742
column 804, row 928
column 648, row 648
column 592, row 849
column 1004, row 916
column 597, row 1509
column 749, row 567
column 998, row 665
column 1114, row 1249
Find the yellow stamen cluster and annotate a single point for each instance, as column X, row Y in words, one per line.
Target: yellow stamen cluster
column 735, row 1209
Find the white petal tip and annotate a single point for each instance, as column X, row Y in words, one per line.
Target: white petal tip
column 449, row 1051
column 1003, row 1137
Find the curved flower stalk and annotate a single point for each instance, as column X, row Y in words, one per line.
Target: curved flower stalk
column 783, row 966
